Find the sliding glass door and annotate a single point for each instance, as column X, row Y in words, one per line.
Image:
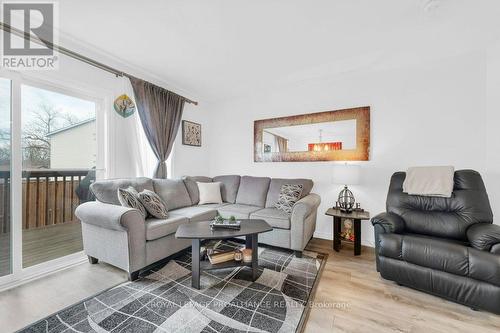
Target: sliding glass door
column 5, row 154
column 59, row 158
column 49, row 156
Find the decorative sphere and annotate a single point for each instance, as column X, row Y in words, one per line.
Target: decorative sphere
column 346, row 200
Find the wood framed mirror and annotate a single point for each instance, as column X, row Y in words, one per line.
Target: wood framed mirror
column 340, row 135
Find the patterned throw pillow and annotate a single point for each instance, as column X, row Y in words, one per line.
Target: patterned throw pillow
column 129, row 198
column 153, row 204
column 289, row 195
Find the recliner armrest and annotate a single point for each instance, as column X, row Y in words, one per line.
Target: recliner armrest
column 390, row 222
column 483, row 236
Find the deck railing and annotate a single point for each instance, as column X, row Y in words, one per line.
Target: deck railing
column 49, row 197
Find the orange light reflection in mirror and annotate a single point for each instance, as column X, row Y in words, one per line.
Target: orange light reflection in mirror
column 324, row 146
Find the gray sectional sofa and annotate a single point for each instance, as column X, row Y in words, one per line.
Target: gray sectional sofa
column 122, row 237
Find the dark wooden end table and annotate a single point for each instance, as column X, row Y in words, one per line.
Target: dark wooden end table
column 357, row 217
column 198, row 231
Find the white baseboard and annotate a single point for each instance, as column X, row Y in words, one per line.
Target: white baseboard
column 44, row 269
column 323, row 235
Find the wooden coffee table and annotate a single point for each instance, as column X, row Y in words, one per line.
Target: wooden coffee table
column 197, row 231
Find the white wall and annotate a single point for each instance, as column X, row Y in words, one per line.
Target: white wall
column 190, row 160
column 428, row 114
column 492, row 176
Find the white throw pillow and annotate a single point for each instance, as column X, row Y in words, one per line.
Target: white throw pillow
column 209, row 193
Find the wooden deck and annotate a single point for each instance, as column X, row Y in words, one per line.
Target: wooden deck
column 44, row 244
column 50, row 227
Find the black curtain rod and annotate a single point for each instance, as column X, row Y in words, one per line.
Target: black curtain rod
column 72, row 54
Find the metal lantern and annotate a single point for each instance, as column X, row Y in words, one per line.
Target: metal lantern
column 346, row 200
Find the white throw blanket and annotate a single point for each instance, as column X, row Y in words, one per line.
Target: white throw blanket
column 436, row 181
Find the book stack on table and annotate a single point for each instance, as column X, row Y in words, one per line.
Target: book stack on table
column 226, row 224
column 217, row 258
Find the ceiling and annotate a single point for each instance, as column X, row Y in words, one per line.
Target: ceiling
column 218, row 49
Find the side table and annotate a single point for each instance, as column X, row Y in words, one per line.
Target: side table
column 357, row 217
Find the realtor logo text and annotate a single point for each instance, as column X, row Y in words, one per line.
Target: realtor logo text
column 34, row 19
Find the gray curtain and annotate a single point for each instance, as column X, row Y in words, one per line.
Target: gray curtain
column 282, row 143
column 160, row 111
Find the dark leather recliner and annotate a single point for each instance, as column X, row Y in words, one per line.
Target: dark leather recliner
column 447, row 247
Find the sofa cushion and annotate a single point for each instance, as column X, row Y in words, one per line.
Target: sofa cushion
column 273, row 194
column 229, row 187
column 435, row 253
column 214, row 206
column 195, row 213
column 158, row 228
column 237, row 210
column 173, row 192
column 431, row 252
column 192, row 187
column 441, row 254
column 253, row 191
column 275, row 217
column 484, row 266
column 106, row 190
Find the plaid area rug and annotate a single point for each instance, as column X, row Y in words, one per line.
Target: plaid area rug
column 228, row 301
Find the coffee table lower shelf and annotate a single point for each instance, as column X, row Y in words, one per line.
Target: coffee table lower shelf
column 197, row 265
column 249, row 228
column 206, row 265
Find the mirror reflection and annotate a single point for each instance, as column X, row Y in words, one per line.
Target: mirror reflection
column 326, row 136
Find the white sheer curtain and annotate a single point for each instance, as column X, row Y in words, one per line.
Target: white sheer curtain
column 142, row 160
column 146, row 160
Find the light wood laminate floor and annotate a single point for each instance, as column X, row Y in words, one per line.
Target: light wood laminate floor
column 351, row 297
column 35, row 300
column 367, row 303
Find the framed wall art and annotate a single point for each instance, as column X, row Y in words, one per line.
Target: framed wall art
column 191, row 133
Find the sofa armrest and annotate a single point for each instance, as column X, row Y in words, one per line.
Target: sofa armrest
column 483, row 236
column 305, row 206
column 109, row 216
column 390, row 222
column 303, row 221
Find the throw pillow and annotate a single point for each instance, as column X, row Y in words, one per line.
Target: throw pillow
column 153, row 204
column 289, row 195
column 209, row 193
column 129, row 198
